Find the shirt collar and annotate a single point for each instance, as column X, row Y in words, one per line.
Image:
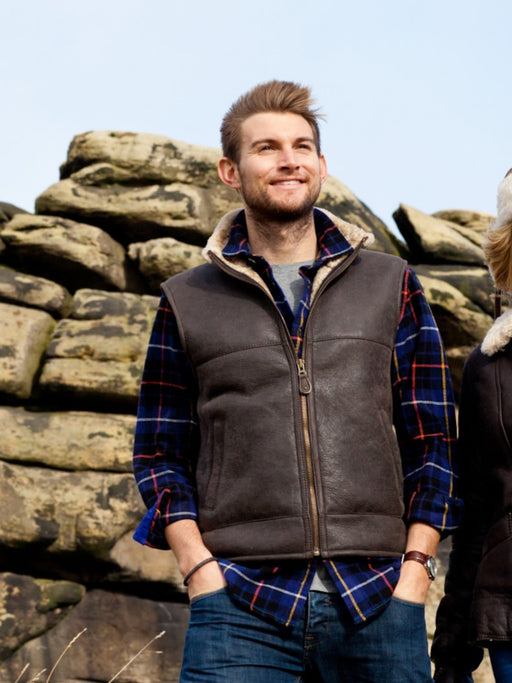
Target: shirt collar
column 331, row 242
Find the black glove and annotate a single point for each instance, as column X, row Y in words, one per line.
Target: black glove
column 447, row 674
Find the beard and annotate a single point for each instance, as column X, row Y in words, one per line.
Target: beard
column 263, row 207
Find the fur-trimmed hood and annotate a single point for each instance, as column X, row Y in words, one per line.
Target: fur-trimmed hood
column 499, row 335
column 355, row 236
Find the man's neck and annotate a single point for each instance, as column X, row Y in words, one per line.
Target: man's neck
column 281, row 242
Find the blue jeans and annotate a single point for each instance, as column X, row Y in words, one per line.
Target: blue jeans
column 501, row 660
column 226, row 643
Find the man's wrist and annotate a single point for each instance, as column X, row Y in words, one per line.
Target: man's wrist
column 428, row 561
column 196, row 567
column 184, row 539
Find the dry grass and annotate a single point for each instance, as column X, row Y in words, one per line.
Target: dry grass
column 37, row 677
column 136, row 655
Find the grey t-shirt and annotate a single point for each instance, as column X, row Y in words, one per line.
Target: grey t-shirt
column 289, row 279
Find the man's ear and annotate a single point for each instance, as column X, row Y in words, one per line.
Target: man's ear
column 228, row 173
column 323, row 168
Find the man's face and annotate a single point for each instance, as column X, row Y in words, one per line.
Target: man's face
column 279, row 173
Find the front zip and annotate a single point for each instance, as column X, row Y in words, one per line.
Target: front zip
column 304, row 383
column 305, row 389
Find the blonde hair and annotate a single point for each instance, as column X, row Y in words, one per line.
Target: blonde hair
column 498, row 255
column 273, row 96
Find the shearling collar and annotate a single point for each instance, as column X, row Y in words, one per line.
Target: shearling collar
column 354, row 235
column 217, row 240
column 499, row 335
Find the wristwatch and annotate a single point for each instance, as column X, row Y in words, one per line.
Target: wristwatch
column 427, row 561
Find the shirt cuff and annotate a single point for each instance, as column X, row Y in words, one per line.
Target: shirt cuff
column 444, row 513
column 151, row 530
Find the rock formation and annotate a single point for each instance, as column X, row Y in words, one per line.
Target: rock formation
column 79, row 285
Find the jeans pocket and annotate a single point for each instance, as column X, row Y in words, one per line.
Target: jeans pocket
column 205, row 596
column 408, row 603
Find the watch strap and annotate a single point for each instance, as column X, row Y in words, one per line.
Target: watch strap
column 417, row 556
column 426, row 560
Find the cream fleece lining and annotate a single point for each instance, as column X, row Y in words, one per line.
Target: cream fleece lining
column 352, row 233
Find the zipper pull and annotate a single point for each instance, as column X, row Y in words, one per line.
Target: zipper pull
column 304, row 383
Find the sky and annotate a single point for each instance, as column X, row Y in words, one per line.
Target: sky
column 417, row 95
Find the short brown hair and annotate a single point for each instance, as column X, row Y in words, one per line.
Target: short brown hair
column 498, row 255
column 273, row 96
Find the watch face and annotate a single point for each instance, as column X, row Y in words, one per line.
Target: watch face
column 431, row 567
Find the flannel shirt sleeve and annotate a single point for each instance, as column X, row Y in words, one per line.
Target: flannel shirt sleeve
column 424, row 414
column 166, row 433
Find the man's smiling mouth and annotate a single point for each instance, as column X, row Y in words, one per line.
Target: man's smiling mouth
column 293, row 181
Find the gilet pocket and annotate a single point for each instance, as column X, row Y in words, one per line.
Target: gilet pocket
column 216, row 454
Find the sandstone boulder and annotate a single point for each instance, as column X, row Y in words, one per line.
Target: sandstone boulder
column 462, row 321
column 37, row 292
column 24, row 335
column 66, row 512
column 83, row 383
column 159, row 259
column 144, row 564
column 435, row 240
column 152, row 159
column 76, row 255
column 29, row 607
column 114, row 338
column 477, row 221
column 94, row 304
column 7, row 211
column 68, row 440
column 474, row 282
column 131, row 214
column 98, row 354
column 102, row 635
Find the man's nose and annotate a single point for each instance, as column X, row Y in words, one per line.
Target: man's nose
column 288, row 158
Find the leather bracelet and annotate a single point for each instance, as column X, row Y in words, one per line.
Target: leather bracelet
column 198, row 566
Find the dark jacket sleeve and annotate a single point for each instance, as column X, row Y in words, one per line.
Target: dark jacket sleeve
column 452, row 653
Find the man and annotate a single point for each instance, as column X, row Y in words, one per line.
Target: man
column 295, row 428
